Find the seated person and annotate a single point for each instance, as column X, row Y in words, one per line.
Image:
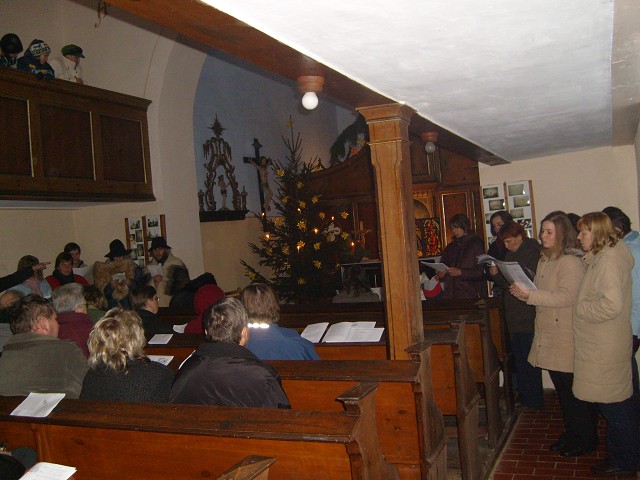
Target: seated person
column 20, row 276
column 206, row 296
column 356, row 287
column 162, row 255
column 75, row 324
column 63, row 273
column 120, row 370
column 7, row 300
column 118, row 276
column 35, row 284
column 73, row 249
column 34, row 359
column 222, row 371
column 182, row 289
column 267, row 340
column 96, row 302
column 145, row 301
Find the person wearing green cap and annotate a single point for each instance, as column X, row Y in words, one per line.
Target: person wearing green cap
column 68, row 67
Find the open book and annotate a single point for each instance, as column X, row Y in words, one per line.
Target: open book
column 343, row 332
column 512, row 271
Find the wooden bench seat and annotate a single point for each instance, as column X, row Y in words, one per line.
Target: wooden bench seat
column 105, row 440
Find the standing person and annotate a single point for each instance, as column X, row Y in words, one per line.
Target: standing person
column 161, row 253
column 120, row 370
column 222, row 371
column 519, row 316
column 557, row 280
column 63, row 273
column 267, row 340
column 603, row 342
column 10, row 47
column 67, row 67
column 464, row 278
column 497, row 249
column 622, row 226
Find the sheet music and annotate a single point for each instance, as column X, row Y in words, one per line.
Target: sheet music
column 38, row 404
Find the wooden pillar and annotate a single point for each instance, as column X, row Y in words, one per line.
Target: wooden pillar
column 390, row 156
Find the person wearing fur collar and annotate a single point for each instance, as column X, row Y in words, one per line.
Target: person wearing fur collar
column 162, row 256
column 108, row 276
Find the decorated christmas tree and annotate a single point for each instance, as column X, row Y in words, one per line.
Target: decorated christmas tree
column 303, row 246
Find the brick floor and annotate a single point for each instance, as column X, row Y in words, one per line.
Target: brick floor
column 526, row 455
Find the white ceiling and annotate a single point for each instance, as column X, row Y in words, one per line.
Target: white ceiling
column 520, row 78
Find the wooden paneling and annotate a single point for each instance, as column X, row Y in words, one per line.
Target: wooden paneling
column 15, row 152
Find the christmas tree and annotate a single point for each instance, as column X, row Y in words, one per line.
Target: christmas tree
column 304, row 245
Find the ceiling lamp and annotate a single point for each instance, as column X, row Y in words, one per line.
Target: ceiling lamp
column 430, row 139
column 310, row 85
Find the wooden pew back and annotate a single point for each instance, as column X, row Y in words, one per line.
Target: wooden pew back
column 106, row 440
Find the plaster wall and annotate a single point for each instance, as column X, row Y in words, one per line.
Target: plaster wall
column 132, row 56
column 578, row 182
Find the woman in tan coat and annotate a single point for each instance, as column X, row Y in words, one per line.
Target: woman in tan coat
column 558, row 278
column 603, row 342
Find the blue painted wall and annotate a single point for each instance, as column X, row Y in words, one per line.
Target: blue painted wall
column 251, row 103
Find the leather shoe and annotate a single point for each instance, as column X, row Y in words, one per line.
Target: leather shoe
column 605, row 469
column 576, row 450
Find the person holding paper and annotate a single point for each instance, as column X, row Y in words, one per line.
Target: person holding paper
column 496, row 248
column 603, row 342
column 34, row 359
column 519, row 316
column 464, row 277
column 162, row 255
column 558, row 278
column 63, row 273
column 267, row 340
column 120, row 370
column 118, row 276
column 222, row 371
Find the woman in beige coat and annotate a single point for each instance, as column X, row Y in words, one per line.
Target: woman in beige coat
column 558, row 278
column 603, row 342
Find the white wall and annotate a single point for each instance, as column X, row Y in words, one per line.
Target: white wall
column 132, row 56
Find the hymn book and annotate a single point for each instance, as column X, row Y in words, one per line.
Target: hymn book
column 346, row 332
column 512, row 271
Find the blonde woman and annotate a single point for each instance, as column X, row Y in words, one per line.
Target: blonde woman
column 558, row 278
column 603, row 342
column 120, row 370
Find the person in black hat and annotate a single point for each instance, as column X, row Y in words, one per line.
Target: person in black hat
column 10, row 47
column 162, row 256
column 118, row 276
column 67, row 67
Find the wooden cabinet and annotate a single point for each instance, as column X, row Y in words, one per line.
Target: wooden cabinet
column 63, row 141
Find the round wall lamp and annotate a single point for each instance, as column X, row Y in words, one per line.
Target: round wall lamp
column 430, row 139
column 310, row 86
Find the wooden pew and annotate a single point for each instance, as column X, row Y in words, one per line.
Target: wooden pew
column 105, row 440
column 410, row 426
column 251, row 468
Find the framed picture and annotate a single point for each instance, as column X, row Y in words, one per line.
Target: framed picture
column 139, row 233
column 491, row 192
column 522, row 201
column 496, row 204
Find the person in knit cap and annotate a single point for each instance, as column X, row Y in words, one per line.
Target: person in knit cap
column 67, row 67
column 35, row 60
column 10, row 47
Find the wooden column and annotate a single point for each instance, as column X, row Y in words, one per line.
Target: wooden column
column 390, row 156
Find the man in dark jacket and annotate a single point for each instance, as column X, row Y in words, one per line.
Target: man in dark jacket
column 145, row 302
column 222, row 371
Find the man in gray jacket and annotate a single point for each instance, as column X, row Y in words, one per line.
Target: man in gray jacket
column 34, row 359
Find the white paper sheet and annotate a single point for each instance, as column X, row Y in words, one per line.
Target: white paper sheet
column 38, row 405
column 314, row 332
column 155, row 269
column 160, row 339
column 163, row 359
column 49, row 471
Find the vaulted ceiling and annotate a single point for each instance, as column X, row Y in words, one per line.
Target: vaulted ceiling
column 501, row 79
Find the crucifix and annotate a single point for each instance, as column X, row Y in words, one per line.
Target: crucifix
column 262, row 163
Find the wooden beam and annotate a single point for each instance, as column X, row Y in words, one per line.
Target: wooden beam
column 390, row 156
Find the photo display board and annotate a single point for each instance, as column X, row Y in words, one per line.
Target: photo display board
column 514, row 197
column 140, row 231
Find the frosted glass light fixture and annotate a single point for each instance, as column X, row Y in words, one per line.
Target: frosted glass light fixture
column 310, row 86
column 430, row 139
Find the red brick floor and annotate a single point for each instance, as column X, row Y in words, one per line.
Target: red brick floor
column 526, row 454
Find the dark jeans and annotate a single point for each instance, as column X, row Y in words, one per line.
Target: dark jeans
column 580, row 418
column 623, row 442
column 528, row 377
